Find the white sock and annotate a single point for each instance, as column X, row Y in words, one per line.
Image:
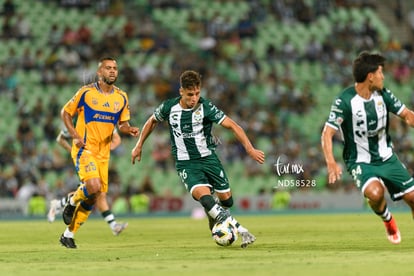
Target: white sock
column 110, row 219
column 213, row 212
column 62, row 202
column 68, row 234
column 71, row 201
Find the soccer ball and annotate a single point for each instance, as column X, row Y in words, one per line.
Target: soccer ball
column 224, row 233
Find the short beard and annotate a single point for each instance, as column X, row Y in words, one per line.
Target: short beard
column 107, row 81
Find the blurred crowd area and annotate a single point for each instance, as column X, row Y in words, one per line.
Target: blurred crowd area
column 274, row 66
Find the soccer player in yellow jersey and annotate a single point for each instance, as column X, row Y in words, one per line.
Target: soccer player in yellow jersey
column 100, row 106
column 56, row 205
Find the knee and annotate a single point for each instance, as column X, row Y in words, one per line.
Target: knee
column 93, row 187
column 375, row 192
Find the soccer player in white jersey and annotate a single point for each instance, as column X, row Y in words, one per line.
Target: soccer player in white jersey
column 190, row 119
column 361, row 113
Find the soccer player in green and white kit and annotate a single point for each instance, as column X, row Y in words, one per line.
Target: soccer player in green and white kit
column 361, row 114
column 190, row 119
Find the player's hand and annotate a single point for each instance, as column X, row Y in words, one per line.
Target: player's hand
column 257, row 155
column 334, row 172
column 134, row 131
column 136, row 154
column 79, row 142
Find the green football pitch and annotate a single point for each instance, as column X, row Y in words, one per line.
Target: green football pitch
column 287, row 244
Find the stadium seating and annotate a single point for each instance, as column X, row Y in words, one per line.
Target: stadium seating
column 42, row 14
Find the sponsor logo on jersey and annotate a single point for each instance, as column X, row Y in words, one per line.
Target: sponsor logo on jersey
column 103, row 117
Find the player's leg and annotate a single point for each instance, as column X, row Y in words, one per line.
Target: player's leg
column 409, row 199
column 108, row 216
column 213, row 209
column 56, row 206
column 374, row 191
column 90, row 173
column 81, row 214
column 83, row 193
column 400, row 182
column 217, row 176
column 226, row 200
column 76, row 215
column 196, row 182
column 400, row 185
column 373, row 182
column 91, row 187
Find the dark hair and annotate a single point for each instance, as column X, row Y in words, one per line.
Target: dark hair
column 190, row 79
column 366, row 63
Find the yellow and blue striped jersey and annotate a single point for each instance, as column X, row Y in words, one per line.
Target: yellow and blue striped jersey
column 98, row 114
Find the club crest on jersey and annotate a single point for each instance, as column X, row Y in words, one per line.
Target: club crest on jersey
column 94, row 101
column 116, row 106
column 380, row 107
column 198, row 116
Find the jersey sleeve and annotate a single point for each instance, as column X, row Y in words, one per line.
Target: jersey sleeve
column 336, row 115
column 73, row 104
column 393, row 104
column 125, row 113
column 213, row 113
column 161, row 112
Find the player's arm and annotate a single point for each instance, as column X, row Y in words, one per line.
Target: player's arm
column 68, row 121
column 126, row 128
column 240, row 134
column 61, row 140
column 408, row 116
column 334, row 170
column 116, row 140
column 147, row 129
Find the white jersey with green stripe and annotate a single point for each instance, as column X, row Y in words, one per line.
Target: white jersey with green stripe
column 364, row 124
column 190, row 129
